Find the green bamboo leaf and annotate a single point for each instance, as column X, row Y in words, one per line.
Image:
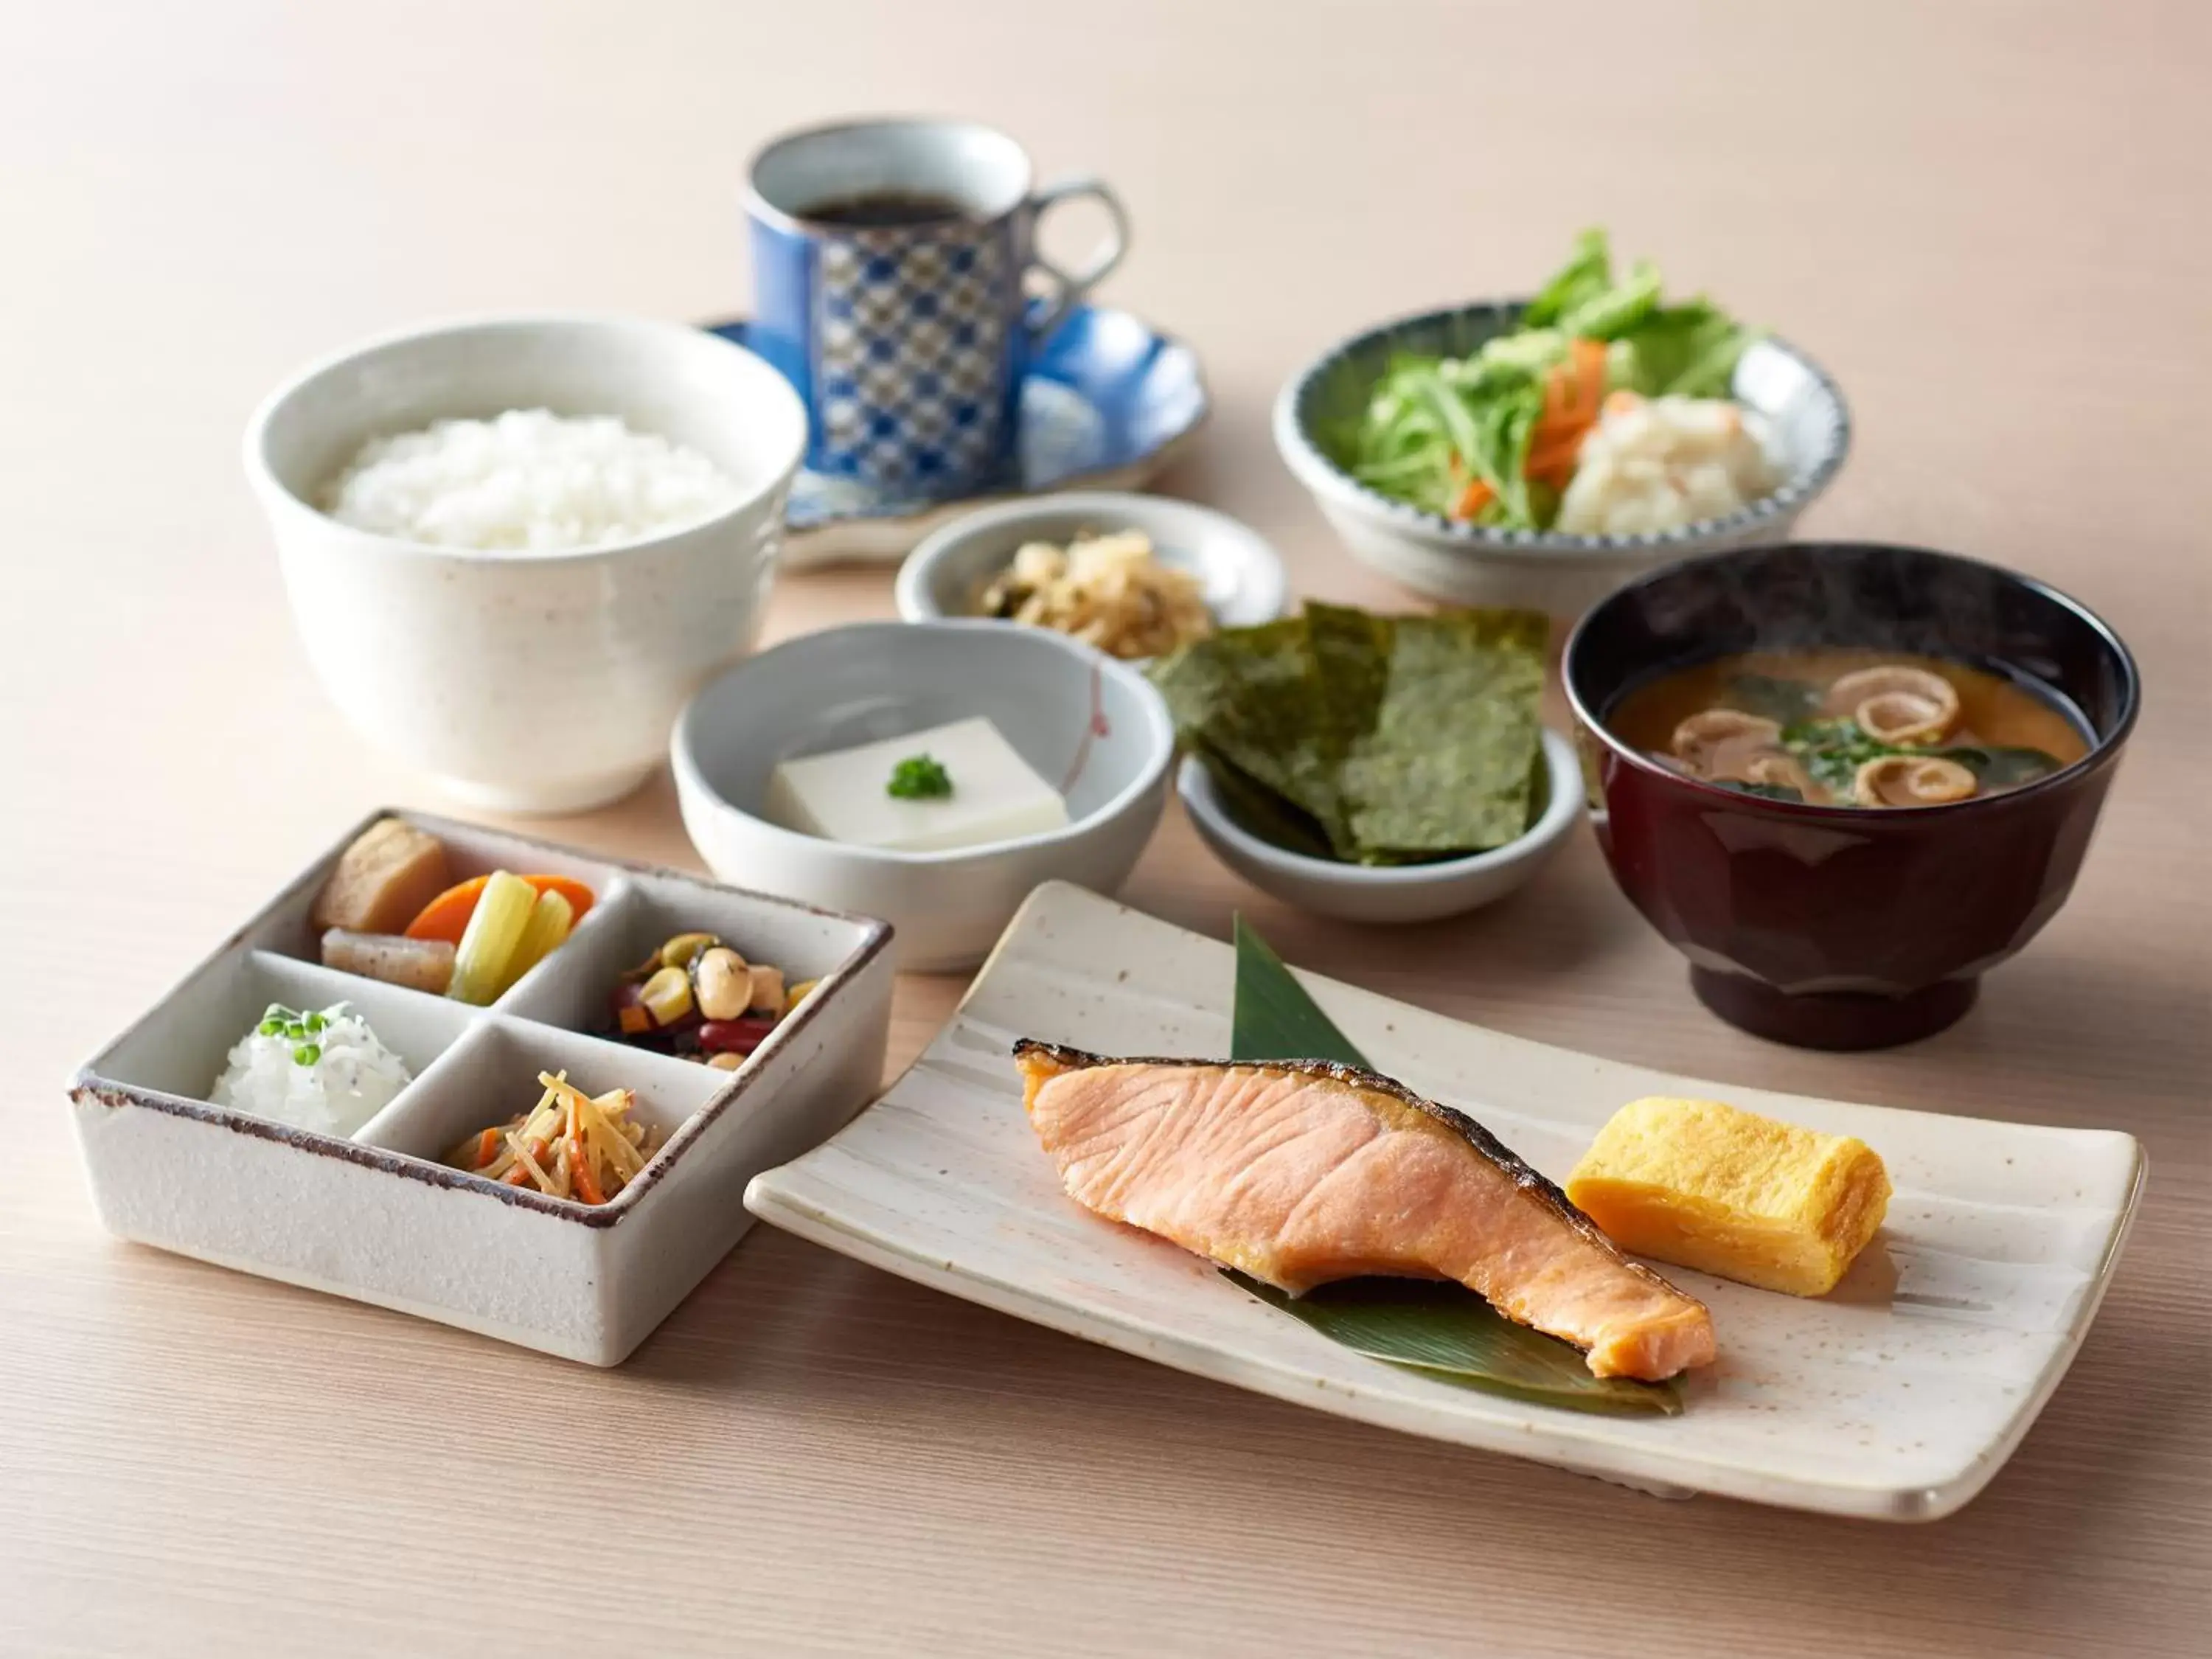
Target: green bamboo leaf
column 1447, row 1332
column 1442, row 1331
column 1272, row 1017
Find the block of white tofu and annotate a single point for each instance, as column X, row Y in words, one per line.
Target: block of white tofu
column 845, row 795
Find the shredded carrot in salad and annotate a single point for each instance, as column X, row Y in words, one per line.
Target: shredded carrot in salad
column 570, row 1145
column 1574, row 396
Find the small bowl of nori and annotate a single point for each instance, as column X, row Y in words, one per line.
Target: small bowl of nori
column 1380, row 768
column 1253, row 842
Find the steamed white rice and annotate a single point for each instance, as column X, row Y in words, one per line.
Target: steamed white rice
column 528, row 481
column 350, row 1078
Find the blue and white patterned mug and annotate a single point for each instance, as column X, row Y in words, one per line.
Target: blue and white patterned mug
column 890, row 261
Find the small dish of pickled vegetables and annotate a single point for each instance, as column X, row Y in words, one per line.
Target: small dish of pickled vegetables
column 698, row 998
column 388, row 912
column 570, row 1145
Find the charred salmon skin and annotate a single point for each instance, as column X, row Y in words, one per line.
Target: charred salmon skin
column 1299, row 1172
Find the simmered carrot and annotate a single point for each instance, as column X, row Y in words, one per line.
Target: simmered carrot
column 447, row 916
column 487, row 1147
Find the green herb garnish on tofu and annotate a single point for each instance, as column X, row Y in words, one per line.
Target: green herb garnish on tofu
column 917, row 777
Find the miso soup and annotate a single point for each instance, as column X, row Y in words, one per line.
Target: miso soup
column 1848, row 728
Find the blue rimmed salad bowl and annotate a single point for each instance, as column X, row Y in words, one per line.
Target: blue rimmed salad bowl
column 1323, row 428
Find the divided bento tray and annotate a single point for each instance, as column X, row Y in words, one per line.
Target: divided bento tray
column 377, row 1217
column 1895, row 1397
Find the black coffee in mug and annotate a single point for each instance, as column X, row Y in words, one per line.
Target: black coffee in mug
column 889, row 268
column 886, row 207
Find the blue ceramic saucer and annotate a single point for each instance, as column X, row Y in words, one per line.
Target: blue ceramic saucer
column 1106, row 403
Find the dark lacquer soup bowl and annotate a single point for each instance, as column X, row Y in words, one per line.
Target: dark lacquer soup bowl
column 1840, row 926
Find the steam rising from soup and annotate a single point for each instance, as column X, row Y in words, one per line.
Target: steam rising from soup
column 1848, row 728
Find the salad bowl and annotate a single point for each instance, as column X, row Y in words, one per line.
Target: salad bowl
column 541, row 682
column 1808, row 433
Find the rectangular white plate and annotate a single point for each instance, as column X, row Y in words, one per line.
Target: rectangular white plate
column 1897, row 1397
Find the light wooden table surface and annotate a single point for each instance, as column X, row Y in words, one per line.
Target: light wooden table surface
column 1988, row 220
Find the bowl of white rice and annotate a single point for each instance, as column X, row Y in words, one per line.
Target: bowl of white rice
column 514, row 547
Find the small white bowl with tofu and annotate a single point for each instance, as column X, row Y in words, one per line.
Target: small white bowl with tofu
column 929, row 774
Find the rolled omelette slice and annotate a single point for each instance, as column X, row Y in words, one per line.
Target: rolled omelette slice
column 1706, row 1185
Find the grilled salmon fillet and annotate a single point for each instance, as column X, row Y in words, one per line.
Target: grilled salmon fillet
column 1299, row 1172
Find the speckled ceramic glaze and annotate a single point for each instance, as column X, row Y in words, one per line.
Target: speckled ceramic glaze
column 1809, row 432
column 1896, row 1397
column 542, row 682
column 379, row 1217
column 1839, row 927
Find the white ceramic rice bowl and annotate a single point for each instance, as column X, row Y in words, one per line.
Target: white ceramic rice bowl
column 527, row 682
